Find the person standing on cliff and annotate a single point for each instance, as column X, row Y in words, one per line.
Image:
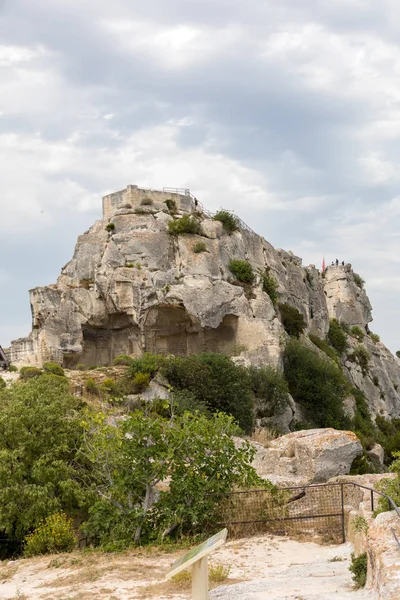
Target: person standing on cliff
column 337, row 262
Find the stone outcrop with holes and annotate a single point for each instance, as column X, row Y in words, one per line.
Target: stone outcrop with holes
column 310, row 456
column 136, row 288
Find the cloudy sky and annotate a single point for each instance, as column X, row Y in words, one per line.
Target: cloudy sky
column 287, row 111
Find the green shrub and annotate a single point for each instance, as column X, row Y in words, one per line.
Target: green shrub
column 292, row 320
column 12, row 368
column 199, row 247
column 270, row 389
column 389, row 437
column 54, row 368
column 358, row 280
column 325, row 347
column 2, row 384
column 375, row 380
column 374, row 337
column 228, row 220
column 186, row 224
column 26, row 373
column 110, row 387
column 398, row 353
column 357, row 332
column 148, row 363
column 217, row 382
column 358, row 567
column 80, row 367
column 91, row 387
column 362, row 422
column 140, row 211
column 140, row 382
column 337, row 337
column 317, row 384
column 270, row 286
column 129, row 265
column 171, row 205
column 110, row 227
column 361, row 355
column 182, row 401
column 123, row 359
column 55, row 535
column 86, row 283
column 146, row 202
column 242, row 270
column 361, row 465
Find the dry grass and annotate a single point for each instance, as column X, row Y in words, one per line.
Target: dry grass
column 264, row 435
column 7, row 572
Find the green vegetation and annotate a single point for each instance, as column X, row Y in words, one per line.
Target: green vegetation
column 29, row 373
column 398, row 353
column 140, row 382
column 358, row 567
column 228, row 220
column 292, row 320
column 91, row 387
column 2, row 383
column 171, row 205
column 147, row 363
column 317, row 384
column 12, row 368
column 199, row 247
column 270, row 286
column 325, row 347
column 86, row 283
column 56, row 534
column 54, row 368
column 122, row 359
column 110, row 227
column 357, row 332
column 337, row 336
column 242, row 270
column 360, row 524
column 80, row 367
column 360, row 355
column 359, row 281
column 146, row 202
column 185, row 224
column 374, row 337
column 270, row 389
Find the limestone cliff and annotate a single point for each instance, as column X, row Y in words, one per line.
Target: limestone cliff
column 136, row 288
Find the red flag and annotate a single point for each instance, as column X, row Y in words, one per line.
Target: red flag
column 323, row 264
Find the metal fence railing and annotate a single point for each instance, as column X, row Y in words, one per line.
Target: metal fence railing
column 317, row 510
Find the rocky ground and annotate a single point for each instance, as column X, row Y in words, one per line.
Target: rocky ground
column 259, row 568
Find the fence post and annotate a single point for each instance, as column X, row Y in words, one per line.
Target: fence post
column 342, row 497
column 372, row 501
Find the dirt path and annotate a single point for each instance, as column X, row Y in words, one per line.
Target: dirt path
column 261, row 568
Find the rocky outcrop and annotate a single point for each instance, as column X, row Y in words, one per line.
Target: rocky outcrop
column 310, row 456
column 136, row 288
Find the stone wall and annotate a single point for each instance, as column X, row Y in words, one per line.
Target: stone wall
column 134, row 195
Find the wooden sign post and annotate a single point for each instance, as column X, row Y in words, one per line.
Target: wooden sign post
column 197, row 558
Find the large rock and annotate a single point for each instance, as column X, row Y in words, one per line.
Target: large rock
column 310, row 456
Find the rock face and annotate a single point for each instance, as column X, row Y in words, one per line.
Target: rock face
column 136, row 288
column 310, row 456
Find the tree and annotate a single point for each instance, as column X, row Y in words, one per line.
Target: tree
column 131, row 457
column 216, row 381
column 39, row 434
column 270, row 389
column 337, row 337
column 292, row 320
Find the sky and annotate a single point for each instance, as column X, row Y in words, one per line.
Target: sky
column 286, row 111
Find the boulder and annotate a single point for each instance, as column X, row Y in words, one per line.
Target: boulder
column 311, row 456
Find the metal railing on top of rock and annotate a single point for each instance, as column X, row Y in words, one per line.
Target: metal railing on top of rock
column 316, row 510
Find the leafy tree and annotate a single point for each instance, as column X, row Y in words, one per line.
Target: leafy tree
column 292, row 320
column 270, row 286
column 131, row 457
column 317, row 384
column 242, row 270
column 39, row 433
column 228, row 220
column 337, row 337
column 270, row 389
column 216, row 381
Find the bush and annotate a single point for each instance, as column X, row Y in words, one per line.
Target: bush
column 123, row 359
column 182, row 401
column 86, row 283
column 357, row 332
column 270, row 286
column 2, row 384
column 270, row 389
column 358, row 280
column 171, row 205
column 12, row 368
column 358, row 567
column 325, row 347
column 361, row 355
column 398, row 353
column 215, row 381
column 292, row 320
column 199, row 247
column 374, row 337
column 80, row 367
column 110, row 227
column 242, row 270
column 91, row 387
column 54, row 368
column 140, row 382
column 389, row 437
column 148, row 363
column 110, row 387
column 317, row 384
column 146, row 202
column 228, row 220
column 55, row 535
column 29, row 373
column 185, row 224
column 362, row 422
column 337, row 337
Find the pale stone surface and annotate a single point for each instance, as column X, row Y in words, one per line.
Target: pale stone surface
column 310, row 456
